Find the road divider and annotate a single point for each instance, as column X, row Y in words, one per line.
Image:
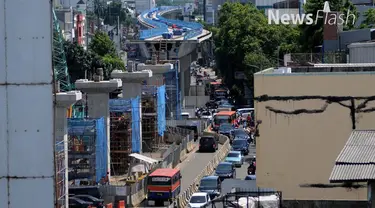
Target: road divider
column 183, row 198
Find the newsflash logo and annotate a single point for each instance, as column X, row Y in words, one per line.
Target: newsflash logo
column 297, row 19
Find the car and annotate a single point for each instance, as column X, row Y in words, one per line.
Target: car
column 206, row 115
column 241, row 133
column 226, row 129
column 199, row 199
column 210, row 185
column 99, row 203
column 208, row 144
column 78, row 203
column 225, row 170
column 235, row 157
column 250, row 178
column 241, row 145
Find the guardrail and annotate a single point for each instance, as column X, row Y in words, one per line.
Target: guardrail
column 160, row 27
column 183, row 199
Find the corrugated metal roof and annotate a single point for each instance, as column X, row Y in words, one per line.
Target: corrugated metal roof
column 345, row 65
column 359, row 149
column 352, row 172
column 356, row 161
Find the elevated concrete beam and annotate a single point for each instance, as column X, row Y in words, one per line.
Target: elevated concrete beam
column 132, row 87
column 63, row 101
column 132, row 82
column 97, row 102
column 157, row 68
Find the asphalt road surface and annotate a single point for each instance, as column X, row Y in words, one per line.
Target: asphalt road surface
column 190, row 168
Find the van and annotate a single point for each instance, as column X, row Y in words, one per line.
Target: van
column 208, row 144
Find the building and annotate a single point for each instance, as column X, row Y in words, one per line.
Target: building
column 307, row 114
column 79, row 29
column 143, row 5
column 355, row 163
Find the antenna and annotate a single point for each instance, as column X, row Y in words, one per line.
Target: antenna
column 326, row 8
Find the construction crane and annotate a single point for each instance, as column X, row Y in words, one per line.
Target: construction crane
column 59, row 60
column 61, row 68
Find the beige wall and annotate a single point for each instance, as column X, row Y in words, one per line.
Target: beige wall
column 301, row 149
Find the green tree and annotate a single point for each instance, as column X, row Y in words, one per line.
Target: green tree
column 102, row 45
column 245, row 42
column 369, row 20
column 312, row 35
column 79, row 61
column 114, row 10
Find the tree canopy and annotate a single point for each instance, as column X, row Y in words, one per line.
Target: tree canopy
column 245, row 41
column 101, row 54
column 369, row 20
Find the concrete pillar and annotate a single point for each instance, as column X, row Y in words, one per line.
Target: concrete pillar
column 97, row 103
column 158, row 71
column 63, row 101
column 132, row 87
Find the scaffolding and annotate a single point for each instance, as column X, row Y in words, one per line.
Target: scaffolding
column 87, row 150
column 124, row 127
column 60, row 174
column 173, row 108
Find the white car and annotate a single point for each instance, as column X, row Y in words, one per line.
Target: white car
column 199, row 199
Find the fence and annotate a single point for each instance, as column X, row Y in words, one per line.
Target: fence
column 125, row 135
column 87, row 149
column 327, row 58
column 247, row 199
column 135, row 193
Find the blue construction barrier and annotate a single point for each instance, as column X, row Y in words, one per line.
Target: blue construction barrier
column 161, row 110
column 136, row 140
column 132, row 106
column 88, row 140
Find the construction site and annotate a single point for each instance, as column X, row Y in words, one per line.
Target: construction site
column 87, row 151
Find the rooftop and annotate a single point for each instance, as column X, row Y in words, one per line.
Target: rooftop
column 321, row 69
column 356, row 161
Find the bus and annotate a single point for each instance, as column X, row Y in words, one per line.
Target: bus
column 224, row 117
column 163, row 185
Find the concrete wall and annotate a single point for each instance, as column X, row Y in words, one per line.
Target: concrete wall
column 197, row 90
column 197, row 101
column 300, row 148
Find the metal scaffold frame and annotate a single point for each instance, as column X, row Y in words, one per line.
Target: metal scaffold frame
column 59, row 59
column 125, row 138
column 60, row 174
column 150, row 137
column 87, row 150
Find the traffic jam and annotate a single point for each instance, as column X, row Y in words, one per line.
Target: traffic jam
column 235, row 122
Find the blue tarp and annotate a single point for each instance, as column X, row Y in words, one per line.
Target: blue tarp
column 129, row 105
column 120, row 105
column 161, row 110
column 136, row 140
column 101, row 150
column 92, row 129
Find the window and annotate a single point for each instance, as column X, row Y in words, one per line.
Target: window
column 79, row 31
column 239, row 142
column 198, row 199
column 158, row 180
column 233, row 154
column 224, row 167
column 209, row 183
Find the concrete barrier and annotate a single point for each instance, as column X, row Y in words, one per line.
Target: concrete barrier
column 183, row 198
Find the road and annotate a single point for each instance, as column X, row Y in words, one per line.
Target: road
column 241, row 173
column 190, row 168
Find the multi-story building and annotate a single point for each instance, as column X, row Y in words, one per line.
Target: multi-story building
column 79, row 28
column 307, row 114
column 143, row 5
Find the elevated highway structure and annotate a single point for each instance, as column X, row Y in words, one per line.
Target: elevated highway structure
column 164, row 39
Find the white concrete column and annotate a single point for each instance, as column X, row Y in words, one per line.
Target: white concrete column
column 158, row 71
column 97, row 102
column 131, row 88
column 63, row 101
